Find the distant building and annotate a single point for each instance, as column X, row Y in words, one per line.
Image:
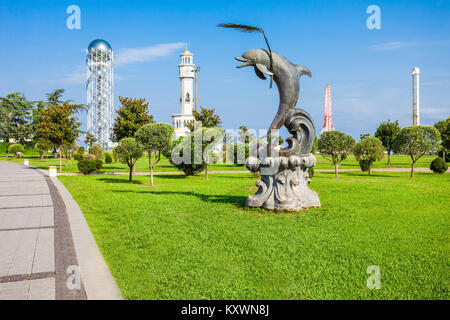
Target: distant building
column 99, row 91
column 328, row 111
column 187, row 75
column 416, row 96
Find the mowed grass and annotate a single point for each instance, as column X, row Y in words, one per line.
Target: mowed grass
column 187, row 238
column 397, row 161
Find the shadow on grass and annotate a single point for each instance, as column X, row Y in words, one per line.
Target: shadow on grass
column 113, row 167
column 238, row 201
column 348, row 174
column 115, row 180
column 171, row 176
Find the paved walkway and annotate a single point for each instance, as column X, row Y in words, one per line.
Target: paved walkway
column 38, row 259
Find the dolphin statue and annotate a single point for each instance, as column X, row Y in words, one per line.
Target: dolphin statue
column 285, row 74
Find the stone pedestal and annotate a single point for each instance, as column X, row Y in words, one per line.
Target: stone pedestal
column 284, row 183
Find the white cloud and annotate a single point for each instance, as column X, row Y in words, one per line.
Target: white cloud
column 68, row 79
column 387, row 46
column 74, row 78
column 136, row 55
column 398, row 45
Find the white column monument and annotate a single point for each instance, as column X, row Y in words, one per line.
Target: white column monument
column 416, row 96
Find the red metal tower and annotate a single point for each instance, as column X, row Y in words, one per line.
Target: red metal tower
column 328, row 111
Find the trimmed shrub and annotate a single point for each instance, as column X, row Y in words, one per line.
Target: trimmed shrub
column 438, row 165
column 108, row 158
column 98, row 164
column 364, row 165
column 15, row 148
column 78, row 156
column 87, row 166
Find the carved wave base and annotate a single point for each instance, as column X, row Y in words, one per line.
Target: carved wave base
column 284, row 183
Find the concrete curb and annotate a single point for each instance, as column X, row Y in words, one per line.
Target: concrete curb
column 97, row 279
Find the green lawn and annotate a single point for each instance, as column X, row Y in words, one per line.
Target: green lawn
column 397, row 161
column 187, row 238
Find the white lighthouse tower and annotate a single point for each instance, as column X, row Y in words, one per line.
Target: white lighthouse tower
column 187, row 75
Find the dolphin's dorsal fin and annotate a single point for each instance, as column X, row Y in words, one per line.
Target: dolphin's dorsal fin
column 302, row 70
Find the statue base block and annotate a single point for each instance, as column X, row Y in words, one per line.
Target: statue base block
column 284, row 183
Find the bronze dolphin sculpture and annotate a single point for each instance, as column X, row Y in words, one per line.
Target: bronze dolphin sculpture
column 285, row 74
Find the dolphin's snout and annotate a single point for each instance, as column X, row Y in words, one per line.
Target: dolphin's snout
column 246, row 61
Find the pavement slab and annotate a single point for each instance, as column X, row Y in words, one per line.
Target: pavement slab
column 38, row 255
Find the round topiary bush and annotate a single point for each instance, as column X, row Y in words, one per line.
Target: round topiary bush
column 98, row 164
column 87, row 166
column 108, row 158
column 438, row 165
column 364, row 165
column 15, row 148
column 78, row 157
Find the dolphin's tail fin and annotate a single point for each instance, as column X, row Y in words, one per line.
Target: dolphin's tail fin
column 277, row 123
column 302, row 70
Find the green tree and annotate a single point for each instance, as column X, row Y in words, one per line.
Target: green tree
column 115, row 155
column 90, row 140
column 54, row 98
column 59, row 125
column 68, row 148
column 207, row 117
column 97, row 151
column 15, row 113
column 417, row 141
column 367, row 151
column 245, row 136
column 36, row 118
column 444, row 129
column 335, row 146
column 129, row 151
column 155, row 138
column 315, row 145
column 43, row 146
column 132, row 115
column 386, row 132
column 192, row 153
column 364, row 135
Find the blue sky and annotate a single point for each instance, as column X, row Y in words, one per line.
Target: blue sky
column 369, row 70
